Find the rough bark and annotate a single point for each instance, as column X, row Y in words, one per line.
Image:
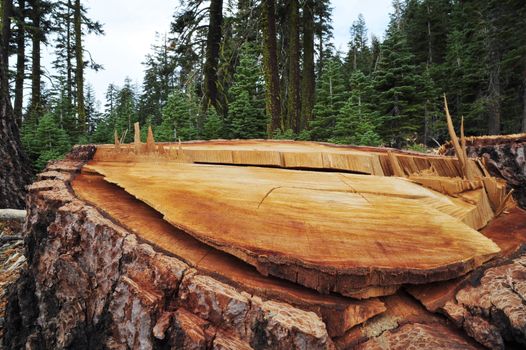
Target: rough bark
column 270, row 66
column 293, row 93
column 79, row 69
column 7, row 13
column 20, row 61
column 36, row 39
column 213, row 40
column 14, row 165
column 308, row 80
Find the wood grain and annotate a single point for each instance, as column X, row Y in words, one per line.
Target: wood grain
column 328, row 231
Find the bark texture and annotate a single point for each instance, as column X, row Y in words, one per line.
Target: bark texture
column 213, row 40
column 79, row 69
column 92, row 284
column 293, row 92
column 15, row 171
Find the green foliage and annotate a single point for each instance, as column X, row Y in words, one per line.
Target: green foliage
column 179, row 118
column 213, row 127
column 357, row 122
column 246, row 109
column 45, row 141
column 331, row 96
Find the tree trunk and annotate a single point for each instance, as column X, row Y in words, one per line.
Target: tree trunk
column 7, row 9
column 36, row 39
column 213, row 41
column 523, row 129
column 293, row 98
column 79, row 70
column 270, row 65
column 14, row 165
column 20, row 61
column 308, row 83
column 69, row 59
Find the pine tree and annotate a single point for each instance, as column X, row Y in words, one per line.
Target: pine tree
column 246, row 108
column 357, row 122
column 395, row 81
column 331, row 96
column 179, row 118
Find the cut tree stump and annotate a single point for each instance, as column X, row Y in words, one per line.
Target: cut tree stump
column 340, row 232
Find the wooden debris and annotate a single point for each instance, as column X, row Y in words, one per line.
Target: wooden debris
column 116, row 140
column 150, row 141
column 12, row 214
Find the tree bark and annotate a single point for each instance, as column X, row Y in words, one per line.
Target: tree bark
column 20, row 61
column 213, row 41
column 79, row 69
column 523, row 129
column 7, row 9
column 14, row 165
column 69, row 59
column 36, row 104
column 308, row 83
column 270, row 65
column 293, row 96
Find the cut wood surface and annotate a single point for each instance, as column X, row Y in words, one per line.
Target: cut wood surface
column 508, row 231
column 291, row 154
column 328, row 231
column 339, row 314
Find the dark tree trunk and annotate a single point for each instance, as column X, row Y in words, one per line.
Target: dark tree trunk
column 293, row 96
column 79, row 71
column 69, row 59
column 20, row 61
column 213, row 41
column 308, row 83
column 270, row 66
column 523, row 129
column 7, row 9
column 14, row 165
column 36, row 39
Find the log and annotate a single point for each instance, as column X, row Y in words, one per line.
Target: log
column 308, row 227
column 12, row 214
column 339, row 314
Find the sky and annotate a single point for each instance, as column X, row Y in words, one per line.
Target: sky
column 131, row 30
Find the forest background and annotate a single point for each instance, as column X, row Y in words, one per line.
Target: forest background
column 269, row 69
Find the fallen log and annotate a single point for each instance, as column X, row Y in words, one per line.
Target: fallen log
column 12, row 214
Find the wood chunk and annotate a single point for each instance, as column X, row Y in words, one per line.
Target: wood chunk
column 508, row 231
column 419, row 336
column 339, row 314
column 308, row 227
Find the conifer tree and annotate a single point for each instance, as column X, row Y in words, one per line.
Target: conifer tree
column 179, row 118
column 331, row 96
column 357, row 121
column 247, row 105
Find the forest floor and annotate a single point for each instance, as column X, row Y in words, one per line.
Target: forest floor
column 12, row 260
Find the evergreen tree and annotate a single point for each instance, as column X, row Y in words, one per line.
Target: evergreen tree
column 357, row 121
column 330, row 98
column 247, row 105
column 179, row 118
column 396, row 82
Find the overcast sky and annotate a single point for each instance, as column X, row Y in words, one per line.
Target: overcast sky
column 130, row 28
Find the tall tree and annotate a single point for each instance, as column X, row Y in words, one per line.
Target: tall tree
column 79, row 71
column 37, row 36
column 293, row 91
column 20, row 59
column 308, row 83
column 7, row 13
column 213, row 41
column 15, row 171
column 270, row 66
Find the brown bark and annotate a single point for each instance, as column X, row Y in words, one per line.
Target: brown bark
column 79, row 69
column 213, row 41
column 14, row 165
column 270, row 66
column 20, row 61
column 308, row 81
column 293, row 94
column 7, row 9
column 36, row 39
column 523, row 129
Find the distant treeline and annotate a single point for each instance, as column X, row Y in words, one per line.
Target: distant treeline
column 256, row 69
